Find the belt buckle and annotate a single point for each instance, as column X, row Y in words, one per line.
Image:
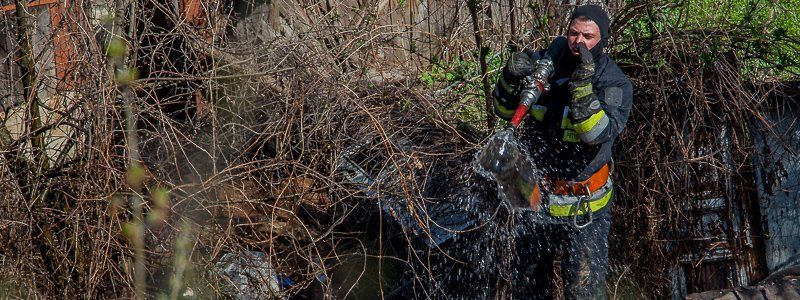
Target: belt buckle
column 581, row 200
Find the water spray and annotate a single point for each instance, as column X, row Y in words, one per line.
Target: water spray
column 502, row 159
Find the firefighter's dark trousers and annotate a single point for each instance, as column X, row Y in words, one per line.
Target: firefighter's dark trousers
column 582, row 253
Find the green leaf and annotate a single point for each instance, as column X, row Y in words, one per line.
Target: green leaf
column 135, row 176
column 116, row 48
column 126, row 75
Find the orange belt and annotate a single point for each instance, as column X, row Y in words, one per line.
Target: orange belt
column 577, row 188
column 574, row 188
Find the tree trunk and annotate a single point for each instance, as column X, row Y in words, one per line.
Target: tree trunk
column 34, row 187
column 473, row 6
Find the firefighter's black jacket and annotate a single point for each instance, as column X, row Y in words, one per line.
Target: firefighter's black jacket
column 561, row 147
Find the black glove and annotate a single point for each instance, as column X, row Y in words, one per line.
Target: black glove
column 517, row 67
column 583, row 103
column 519, row 64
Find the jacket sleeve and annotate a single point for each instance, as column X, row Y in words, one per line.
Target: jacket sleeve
column 506, row 94
column 616, row 99
column 505, row 101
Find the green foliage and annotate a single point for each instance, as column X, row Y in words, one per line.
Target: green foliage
column 116, row 48
column 135, row 176
column 132, row 231
column 765, row 35
column 462, row 77
column 126, row 75
column 159, row 207
column 458, row 70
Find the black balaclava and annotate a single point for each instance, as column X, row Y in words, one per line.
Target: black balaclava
column 599, row 16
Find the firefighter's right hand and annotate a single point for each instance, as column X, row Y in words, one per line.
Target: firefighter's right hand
column 517, row 67
column 519, row 64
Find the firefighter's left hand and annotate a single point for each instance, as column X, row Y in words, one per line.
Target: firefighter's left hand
column 585, row 71
column 583, row 102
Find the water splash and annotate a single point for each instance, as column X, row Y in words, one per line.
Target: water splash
column 478, row 226
column 483, row 261
column 506, row 162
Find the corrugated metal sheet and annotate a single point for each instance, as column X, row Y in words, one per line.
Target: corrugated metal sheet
column 720, row 239
column 778, row 177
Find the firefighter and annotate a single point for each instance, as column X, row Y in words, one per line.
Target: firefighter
column 569, row 133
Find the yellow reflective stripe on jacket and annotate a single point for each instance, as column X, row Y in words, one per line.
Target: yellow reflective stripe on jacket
column 502, row 110
column 595, row 132
column 507, row 87
column 538, row 111
column 565, row 123
column 568, row 210
column 588, row 124
column 571, row 136
column 582, row 91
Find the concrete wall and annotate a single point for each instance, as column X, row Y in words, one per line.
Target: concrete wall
column 53, row 102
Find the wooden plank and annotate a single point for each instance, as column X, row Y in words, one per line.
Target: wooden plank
column 64, row 49
column 12, row 7
column 193, row 12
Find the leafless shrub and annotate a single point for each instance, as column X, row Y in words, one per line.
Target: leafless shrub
column 243, row 127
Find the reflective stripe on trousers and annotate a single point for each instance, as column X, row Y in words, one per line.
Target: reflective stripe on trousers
column 566, row 206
